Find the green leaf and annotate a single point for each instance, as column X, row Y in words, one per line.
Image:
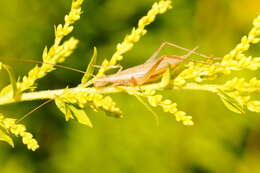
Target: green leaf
column 64, row 109
column 6, row 91
column 70, row 111
column 90, row 68
column 12, row 78
column 231, row 103
column 166, row 77
column 81, row 115
column 4, row 137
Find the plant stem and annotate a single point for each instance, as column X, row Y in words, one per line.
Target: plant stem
column 52, row 94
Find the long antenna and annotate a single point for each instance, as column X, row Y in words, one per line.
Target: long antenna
column 33, row 110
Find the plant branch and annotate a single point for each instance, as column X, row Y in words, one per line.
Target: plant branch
column 52, row 94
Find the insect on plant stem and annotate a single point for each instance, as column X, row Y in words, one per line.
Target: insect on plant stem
column 136, row 76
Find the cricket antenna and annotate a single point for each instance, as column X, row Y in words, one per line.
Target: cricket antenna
column 33, row 110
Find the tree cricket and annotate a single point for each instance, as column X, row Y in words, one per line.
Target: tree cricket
column 150, row 70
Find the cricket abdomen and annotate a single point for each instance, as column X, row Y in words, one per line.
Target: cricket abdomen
column 118, row 79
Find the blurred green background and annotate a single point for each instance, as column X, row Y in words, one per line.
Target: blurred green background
column 220, row 142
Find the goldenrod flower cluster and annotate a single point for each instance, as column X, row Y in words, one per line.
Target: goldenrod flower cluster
column 169, row 106
column 166, row 104
column 241, row 85
column 252, row 38
column 9, row 124
column 58, row 51
column 235, row 60
column 236, row 93
column 241, row 90
column 129, row 40
column 238, row 89
column 59, row 56
column 94, row 100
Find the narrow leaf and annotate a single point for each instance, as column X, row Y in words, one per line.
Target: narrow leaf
column 80, row 115
column 90, row 68
column 230, row 102
column 6, row 91
column 64, row 109
column 166, row 77
column 4, row 137
column 12, row 78
column 45, row 54
column 70, row 111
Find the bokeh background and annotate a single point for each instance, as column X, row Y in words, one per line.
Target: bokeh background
column 220, row 142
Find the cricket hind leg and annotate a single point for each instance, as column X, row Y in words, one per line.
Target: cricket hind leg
column 147, row 76
column 143, row 79
column 156, row 53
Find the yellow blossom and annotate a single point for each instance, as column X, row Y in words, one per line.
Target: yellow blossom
column 9, row 124
column 129, row 40
column 58, row 52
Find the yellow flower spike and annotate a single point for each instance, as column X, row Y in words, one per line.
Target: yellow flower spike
column 9, row 124
column 245, row 41
column 182, row 117
column 58, row 51
column 167, row 106
column 18, row 129
column 155, row 100
column 94, row 100
column 241, row 85
column 28, row 140
column 129, row 40
column 254, row 106
column 234, row 60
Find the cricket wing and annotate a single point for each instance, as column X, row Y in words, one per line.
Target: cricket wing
column 143, row 79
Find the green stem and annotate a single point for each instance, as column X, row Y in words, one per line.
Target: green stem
column 52, row 94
